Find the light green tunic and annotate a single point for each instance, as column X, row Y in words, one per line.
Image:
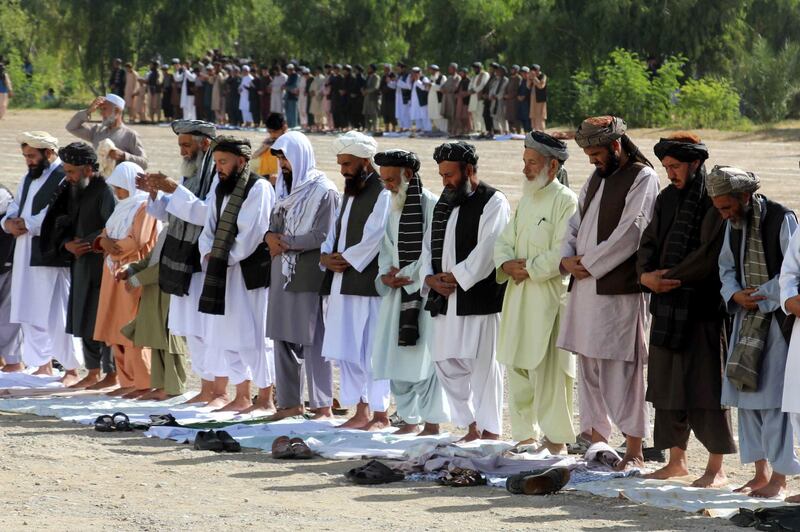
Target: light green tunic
column 531, row 308
column 390, row 361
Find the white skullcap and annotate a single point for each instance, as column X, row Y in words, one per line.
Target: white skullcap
column 356, row 144
column 38, row 139
column 116, row 101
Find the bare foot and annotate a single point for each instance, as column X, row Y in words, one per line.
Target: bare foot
column 774, row 488
column 711, row 479
column 430, row 429
column 90, row 380
column 46, row 369
column 202, row 397
column 283, row 413
column 671, row 470
column 793, row 499
column 135, row 394
column 109, row 381
column 237, row 405
column 154, row 395
column 259, row 410
column 630, row 460
column 471, row 435
column 218, row 401
column 378, row 423
column 486, row 435
column 324, row 412
column 755, row 483
column 119, row 392
column 528, row 442
column 554, row 448
column 358, row 421
column 13, row 368
column 408, row 428
column 70, row 378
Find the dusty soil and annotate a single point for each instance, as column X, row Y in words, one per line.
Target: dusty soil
column 56, row 475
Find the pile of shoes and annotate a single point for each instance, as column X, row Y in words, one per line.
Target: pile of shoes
column 286, row 448
column 118, row 422
column 217, row 441
column 538, row 482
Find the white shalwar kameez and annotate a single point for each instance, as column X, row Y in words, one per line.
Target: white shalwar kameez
column 244, row 98
column 402, row 110
column 239, row 335
column 350, row 321
column 419, row 112
column 183, row 320
column 40, row 294
column 187, row 100
column 464, row 346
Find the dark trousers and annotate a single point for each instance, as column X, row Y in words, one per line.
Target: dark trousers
column 487, row 116
column 711, row 427
column 97, row 355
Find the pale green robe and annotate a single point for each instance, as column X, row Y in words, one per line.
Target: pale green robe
column 390, row 361
column 540, row 375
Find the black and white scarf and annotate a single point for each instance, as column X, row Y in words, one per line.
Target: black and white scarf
column 180, row 257
column 409, row 249
column 671, row 309
column 437, row 303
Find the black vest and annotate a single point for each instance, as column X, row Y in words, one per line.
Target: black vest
column 355, row 283
column 256, row 269
column 405, row 93
column 486, row 296
column 7, row 241
column 422, row 96
column 772, row 217
column 45, row 196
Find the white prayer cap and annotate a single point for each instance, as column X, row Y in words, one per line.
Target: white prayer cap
column 116, row 101
column 246, row 68
column 38, row 139
column 356, row 144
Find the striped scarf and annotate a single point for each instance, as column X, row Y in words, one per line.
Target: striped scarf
column 745, row 361
column 409, row 249
column 671, row 309
column 212, row 299
column 437, row 303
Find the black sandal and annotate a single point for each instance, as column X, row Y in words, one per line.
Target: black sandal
column 104, row 423
column 372, row 473
column 163, row 420
column 122, row 422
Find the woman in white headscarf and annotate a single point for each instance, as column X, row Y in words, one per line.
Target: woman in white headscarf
column 129, row 235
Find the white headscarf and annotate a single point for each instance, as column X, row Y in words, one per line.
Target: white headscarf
column 119, row 223
column 309, row 187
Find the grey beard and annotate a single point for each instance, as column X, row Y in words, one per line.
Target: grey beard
column 109, row 121
column 189, row 168
column 741, row 222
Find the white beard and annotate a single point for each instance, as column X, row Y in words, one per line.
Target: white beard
column 399, row 197
column 530, row 187
column 189, row 168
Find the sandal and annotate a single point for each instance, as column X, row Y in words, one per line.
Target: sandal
column 372, row 473
column 548, row 482
column 514, row 482
column 163, row 420
column 122, row 422
column 282, row 448
column 104, row 423
column 300, row 449
column 229, row 444
column 463, row 478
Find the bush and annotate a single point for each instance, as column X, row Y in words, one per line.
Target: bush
column 708, row 102
column 767, row 80
column 47, row 72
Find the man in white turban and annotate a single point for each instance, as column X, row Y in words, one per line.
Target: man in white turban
column 350, row 257
column 127, row 146
column 39, row 296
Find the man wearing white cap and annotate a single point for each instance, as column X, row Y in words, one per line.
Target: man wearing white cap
column 350, row 256
column 127, row 146
column 419, row 100
column 39, row 289
column 435, row 98
column 185, row 78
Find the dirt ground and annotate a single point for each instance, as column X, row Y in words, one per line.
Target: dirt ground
column 61, row 476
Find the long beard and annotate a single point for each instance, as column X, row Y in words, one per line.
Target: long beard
column 740, row 223
column 399, row 197
column 612, row 166
column 456, row 196
column 35, row 172
column 189, row 167
column 531, row 186
column 227, row 185
column 109, row 121
column 354, row 184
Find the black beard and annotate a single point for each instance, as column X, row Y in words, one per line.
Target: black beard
column 611, row 167
column 354, row 184
column 37, row 171
column 287, row 181
column 456, row 196
column 227, row 185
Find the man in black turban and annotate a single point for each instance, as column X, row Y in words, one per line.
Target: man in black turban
column 463, row 295
column 69, row 230
column 677, row 262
